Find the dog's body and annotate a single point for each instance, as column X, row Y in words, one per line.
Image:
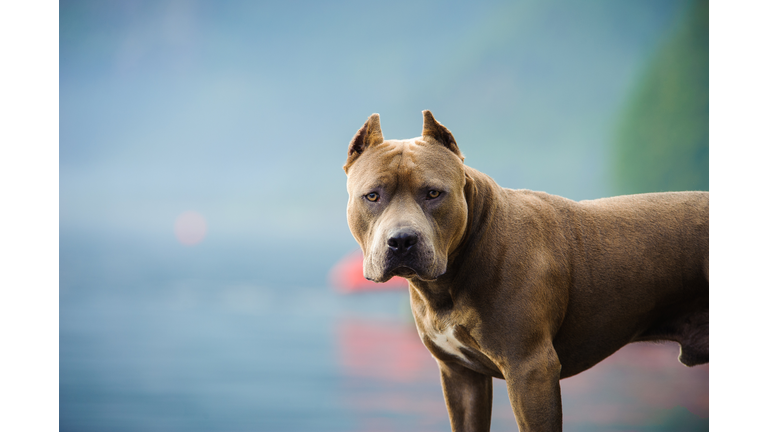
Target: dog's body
column 522, row 285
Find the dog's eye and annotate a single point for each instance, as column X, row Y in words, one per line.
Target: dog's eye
column 433, row 194
column 372, row 197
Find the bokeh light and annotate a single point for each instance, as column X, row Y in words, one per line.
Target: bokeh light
column 190, row 228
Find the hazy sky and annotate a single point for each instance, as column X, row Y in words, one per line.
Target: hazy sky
column 242, row 111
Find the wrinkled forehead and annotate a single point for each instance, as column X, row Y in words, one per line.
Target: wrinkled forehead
column 414, row 160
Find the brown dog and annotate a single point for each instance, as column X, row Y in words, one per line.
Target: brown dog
column 519, row 285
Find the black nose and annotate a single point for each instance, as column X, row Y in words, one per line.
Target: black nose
column 402, row 241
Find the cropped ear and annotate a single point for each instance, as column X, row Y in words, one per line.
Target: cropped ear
column 433, row 129
column 368, row 135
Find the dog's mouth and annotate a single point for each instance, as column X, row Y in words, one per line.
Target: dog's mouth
column 404, row 271
column 409, row 273
column 415, row 265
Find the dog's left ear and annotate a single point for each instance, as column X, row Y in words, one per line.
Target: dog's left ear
column 433, row 129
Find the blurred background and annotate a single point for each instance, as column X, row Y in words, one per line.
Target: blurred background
column 202, row 200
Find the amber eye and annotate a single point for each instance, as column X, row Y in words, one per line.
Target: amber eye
column 372, row 197
column 433, row 194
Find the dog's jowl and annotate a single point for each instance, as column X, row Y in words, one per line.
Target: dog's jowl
column 520, row 285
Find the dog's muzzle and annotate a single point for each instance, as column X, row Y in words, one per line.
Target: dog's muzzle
column 403, row 252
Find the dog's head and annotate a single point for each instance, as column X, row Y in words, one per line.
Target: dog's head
column 406, row 208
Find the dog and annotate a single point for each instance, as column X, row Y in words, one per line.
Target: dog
column 520, row 285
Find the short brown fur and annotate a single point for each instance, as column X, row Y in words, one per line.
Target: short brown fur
column 527, row 286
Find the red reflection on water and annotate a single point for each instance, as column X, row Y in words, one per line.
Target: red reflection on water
column 391, row 382
column 390, row 351
column 347, row 276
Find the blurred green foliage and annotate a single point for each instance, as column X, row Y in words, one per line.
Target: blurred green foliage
column 662, row 143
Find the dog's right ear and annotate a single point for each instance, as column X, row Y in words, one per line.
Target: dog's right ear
column 368, row 135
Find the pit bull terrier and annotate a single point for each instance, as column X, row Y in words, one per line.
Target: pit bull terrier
column 520, row 285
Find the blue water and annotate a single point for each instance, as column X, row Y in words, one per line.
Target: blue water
column 243, row 335
column 156, row 336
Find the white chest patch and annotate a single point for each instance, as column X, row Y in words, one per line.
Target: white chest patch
column 448, row 343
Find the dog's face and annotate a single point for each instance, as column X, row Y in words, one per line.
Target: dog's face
column 406, row 208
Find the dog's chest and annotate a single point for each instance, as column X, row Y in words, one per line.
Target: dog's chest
column 447, row 342
column 453, row 343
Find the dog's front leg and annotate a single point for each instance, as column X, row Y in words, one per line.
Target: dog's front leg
column 533, row 384
column 468, row 397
